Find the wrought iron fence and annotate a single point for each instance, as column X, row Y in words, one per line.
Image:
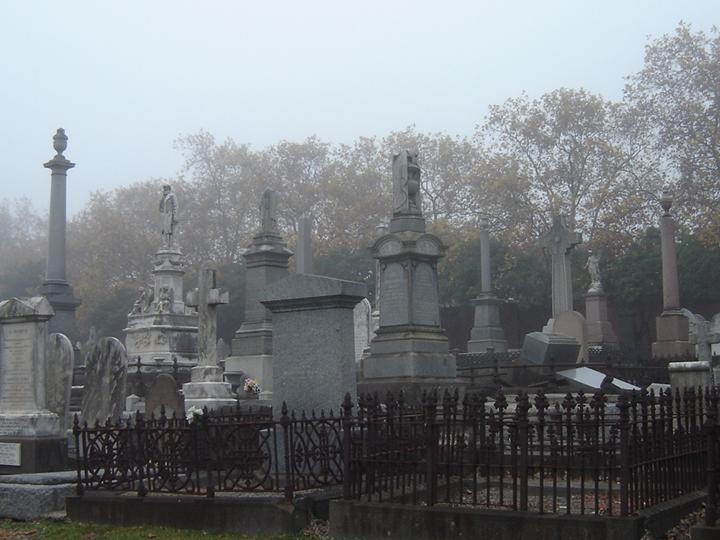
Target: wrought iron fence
column 240, row 452
column 577, row 455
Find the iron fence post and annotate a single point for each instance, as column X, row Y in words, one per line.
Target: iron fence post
column 432, row 447
column 521, row 415
column 285, row 424
column 76, row 432
column 623, row 406
column 347, row 441
column 711, row 438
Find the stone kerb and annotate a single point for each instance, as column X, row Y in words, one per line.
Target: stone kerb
column 313, row 340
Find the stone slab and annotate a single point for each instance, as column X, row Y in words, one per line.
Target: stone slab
column 59, row 363
column 540, row 348
column 26, row 501
column 106, row 372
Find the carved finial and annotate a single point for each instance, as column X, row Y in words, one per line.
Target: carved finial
column 666, row 201
column 60, row 141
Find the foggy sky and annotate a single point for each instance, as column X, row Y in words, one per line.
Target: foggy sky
column 125, row 79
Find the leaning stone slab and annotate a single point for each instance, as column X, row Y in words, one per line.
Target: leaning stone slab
column 106, row 374
column 59, row 360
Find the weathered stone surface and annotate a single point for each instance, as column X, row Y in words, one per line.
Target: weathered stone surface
column 572, row 323
column 304, row 255
column 599, row 331
column 106, row 375
column 59, row 360
column 541, row 348
column 362, row 316
column 560, row 241
column 164, row 392
column 313, row 344
column 30, row 501
column 690, row 375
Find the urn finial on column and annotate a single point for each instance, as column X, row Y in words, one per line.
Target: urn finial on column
column 60, row 142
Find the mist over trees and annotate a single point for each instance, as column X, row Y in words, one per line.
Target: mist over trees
column 601, row 163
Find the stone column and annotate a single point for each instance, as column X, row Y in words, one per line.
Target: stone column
column 672, row 327
column 313, row 345
column 486, row 334
column 266, row 261
column 55, row 287
column 304, row 255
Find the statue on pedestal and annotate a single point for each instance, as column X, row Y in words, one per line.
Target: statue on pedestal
column 168, row 206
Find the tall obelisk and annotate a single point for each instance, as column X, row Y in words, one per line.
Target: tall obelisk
column 55, row 287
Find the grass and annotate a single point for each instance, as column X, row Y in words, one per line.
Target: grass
column 69, row 530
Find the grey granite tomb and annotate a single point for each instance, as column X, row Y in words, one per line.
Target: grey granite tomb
column 31, row 435
column 266, row 261
column 313, row 343
column 161, row 332
column 105, row 384
column 410, row 349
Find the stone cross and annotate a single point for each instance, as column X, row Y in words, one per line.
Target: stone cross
column 560, row 241
column 304, row 255
column 485, row 280
column 206, row 298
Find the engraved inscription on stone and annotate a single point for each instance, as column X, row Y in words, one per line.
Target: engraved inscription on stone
column 17, row 348
column 10, row 454
column 390, row 247
column 425, row 296
column 427, row 246
column 393, row 298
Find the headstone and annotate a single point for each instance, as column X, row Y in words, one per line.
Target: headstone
column 692, row 374
column 134, row 404
column 672, row 328
column 106, row 379
column 164, row 393
column 56, row 287
column 560, row 241
column 31, row 437
column 313, row 345
column 362, row 316
column 410, row 350
column 304, row 255
column 486, row 334
column 700, row 335
column 206, row 387
column 592, row 380
column 542, row 348
column 59, row 364
column 266, row 261
column 161, row 331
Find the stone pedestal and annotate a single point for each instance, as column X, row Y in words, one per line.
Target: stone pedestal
column 31, row 436
column 313, row 343
column 672, row 330
column 266, row 261
column 690, row 375
column 162, row 332
column 599, row 331
column 410, row 350
column 487, row 334
column 207, row 389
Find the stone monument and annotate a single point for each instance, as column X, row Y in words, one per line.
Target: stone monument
column 206, row 387
column 599, row 331
column 59, row 366
column 55, row 287
column 31, row 436
column 162, row 331
column 486, row 334
column 106, row 380
column 304, row 255
column 560, row 241
column 672, row 328
column 313, row 345
column 266, row 261
column 410, row 349
column 164, row 393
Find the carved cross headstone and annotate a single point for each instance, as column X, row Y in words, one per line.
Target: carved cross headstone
column 560, row 241
column 268, row 211
column 206, row 298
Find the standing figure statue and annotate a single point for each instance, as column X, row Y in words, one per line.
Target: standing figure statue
column 593, row 267
column 406, row 183
column 168, row 206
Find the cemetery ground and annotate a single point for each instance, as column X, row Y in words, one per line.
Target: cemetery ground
column 64, row 529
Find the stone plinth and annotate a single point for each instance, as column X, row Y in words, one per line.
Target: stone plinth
column 599, row 331
column 26, row 424
column 313, row 342
column 162, row 331
column 672, row 330
column 487, row 334
column 266, row 261
column 690, row 375
column 542, row 348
